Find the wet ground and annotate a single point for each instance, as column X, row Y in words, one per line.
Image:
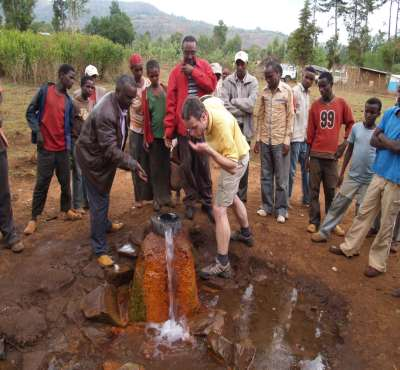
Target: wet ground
column 41, row 292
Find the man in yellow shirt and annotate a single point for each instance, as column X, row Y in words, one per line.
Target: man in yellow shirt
column 227, row 146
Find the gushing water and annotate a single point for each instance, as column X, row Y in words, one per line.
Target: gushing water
column 169, row 244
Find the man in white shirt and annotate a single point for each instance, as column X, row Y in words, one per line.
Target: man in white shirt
column 298, row 145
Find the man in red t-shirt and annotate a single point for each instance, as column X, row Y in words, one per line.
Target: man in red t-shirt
column 191, row 77
column 325, row 118
column 50, row 116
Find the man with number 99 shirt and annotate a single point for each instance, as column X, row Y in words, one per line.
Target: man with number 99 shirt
column 325, row 118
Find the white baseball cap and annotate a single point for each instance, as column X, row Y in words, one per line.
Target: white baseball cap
column 91, row 71
column 216, row 68
column 241, row 55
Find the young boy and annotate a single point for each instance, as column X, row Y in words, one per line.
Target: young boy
column 356, row 183
column 83, row 105
column 49, row 116
column 154, row 106
column 325, row 119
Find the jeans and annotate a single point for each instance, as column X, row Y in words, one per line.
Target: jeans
column 298, row 152
column 274, row 175
column 99, row 223
column 325, row 171
column 79, row 193
column 349, row 190
column 47, row 162
column 7, row 227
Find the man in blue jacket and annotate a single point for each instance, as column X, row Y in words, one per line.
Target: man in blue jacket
column 49, row 116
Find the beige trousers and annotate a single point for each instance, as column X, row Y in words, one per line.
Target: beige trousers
column 382, row 195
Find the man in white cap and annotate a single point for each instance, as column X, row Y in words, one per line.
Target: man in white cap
column 92, row 72
column 239, row 93
column 217, row 70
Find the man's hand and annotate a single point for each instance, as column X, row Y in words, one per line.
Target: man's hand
column 340, row 150
column 340, row 181
column 257, row 147
column 39, row 140
column 285, row 150
column 140, row 172
column 168, row 142
column 146, row 146
column 200, row 147
column 187, row 69
column 307, row 164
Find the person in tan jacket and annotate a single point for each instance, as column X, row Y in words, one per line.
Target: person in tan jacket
column 275, row 126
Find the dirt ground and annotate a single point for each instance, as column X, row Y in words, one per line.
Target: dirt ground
column 43, row 285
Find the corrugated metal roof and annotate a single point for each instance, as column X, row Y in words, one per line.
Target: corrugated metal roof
column 374, row 70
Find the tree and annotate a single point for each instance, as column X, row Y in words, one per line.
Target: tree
column 117, row 27
column 41, row 27
column 233, row 45
column 18, row 13
column 59, row 20
column 339, row 8
column 219, row 34
column 301, row 42
column 75, row 9
column 332, row 52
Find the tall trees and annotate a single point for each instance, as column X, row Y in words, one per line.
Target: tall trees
column 301, row 41
column 219, row 33
column 18, row 13
column 59, row 20
column 117, row 26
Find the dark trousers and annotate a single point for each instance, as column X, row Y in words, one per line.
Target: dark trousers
column 160, row 171
column 47, row 162
column 79, row 194
column 325, row 171
column 195, row 174
column 7, row 227
column 99, row 223
column 243, row 185
column 142, row 189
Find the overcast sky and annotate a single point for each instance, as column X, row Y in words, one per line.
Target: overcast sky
column 274, row 15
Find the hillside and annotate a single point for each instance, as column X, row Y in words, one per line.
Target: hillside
column 147, row 18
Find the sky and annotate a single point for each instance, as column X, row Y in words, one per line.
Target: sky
column 273, row 15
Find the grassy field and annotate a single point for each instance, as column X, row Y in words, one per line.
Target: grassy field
column 17, row 97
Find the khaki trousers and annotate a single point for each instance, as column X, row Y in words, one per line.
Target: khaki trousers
column 382, row 195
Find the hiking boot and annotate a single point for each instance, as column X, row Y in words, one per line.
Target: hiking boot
column 216, row 269
column 71, row 215
column 189, row 212
column 371, row 272
column 311, row 228
column 237, row 236
column 17, row 247
column 116, row 226
column 338, row 231
column 105, row 260
column 209, row 212
column 318, row 238
column 30, row 228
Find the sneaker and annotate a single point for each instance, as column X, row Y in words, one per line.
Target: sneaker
column 209, row 212
column 311, row 228
column 338, row 231
column 189, row 212
column 15, row 245
column 216, row 269
column 371, row 272
column 116, row 226
column 81, row 211
column 105, row 260
column 281, row 219
column 261, row 212
column 237, row 236
column 71, row 216
column 30, row 228
column 318, row 238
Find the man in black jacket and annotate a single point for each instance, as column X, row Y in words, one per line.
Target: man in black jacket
column 99, row 152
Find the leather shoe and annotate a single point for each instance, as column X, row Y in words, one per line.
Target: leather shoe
column 371, row 272
column 336, row 250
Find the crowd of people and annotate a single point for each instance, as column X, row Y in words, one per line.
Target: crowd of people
column 204, row 112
